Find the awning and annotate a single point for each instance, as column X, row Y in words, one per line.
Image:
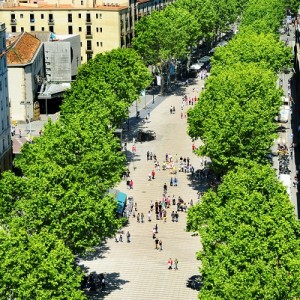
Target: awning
column 121, row 199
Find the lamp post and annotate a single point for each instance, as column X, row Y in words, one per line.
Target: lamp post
column 153, row 92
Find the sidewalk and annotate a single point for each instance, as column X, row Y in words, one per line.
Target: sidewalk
column 136, row 270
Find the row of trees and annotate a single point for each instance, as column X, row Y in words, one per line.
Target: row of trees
column 60, row 207
column 166, row 37
column 250, row 237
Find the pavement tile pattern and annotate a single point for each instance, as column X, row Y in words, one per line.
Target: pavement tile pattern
column 136, row 270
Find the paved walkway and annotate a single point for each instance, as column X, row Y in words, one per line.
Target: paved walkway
column 136, row 270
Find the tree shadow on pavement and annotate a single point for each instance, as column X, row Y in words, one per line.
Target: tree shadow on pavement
column 113, row 283
column 194, row 282
column 96, row 252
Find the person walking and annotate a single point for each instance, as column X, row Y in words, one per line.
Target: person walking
column 156, row 228
column 153, row 174
column 142, row 217
column 156, row 241
column 128, row 237
column 170, row 263
column 160, row 245
column 175, row 264
column 121, row 238
column 131, row 184
column 149, row 216
column 138, row 217
column 165, row 188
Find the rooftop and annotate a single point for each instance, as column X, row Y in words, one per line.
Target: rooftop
column 21, row 48
column 44, row 6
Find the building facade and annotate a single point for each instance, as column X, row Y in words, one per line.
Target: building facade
column 5, row 134
column 25, row 61
column 103, row 25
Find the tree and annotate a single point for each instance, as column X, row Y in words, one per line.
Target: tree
column 250, row 237
column 234, row 116
column 12, row 188
column 204, row 13
column 69, row 171
column 37, row 266
column 155, row 36
column 121, row 69
column 269, row 12
column 249, row 46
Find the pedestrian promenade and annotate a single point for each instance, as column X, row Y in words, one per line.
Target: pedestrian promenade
column 136, row 270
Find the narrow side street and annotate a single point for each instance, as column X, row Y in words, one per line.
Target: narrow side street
column 136, row 270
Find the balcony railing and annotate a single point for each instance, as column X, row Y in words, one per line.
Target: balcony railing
column 88, row 35
column 51, row 22
column 87, row 51
column 13, row 22
column 88, row 22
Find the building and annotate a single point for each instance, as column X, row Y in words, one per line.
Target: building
column 62, row 60
column 25, row 61
column 103, row 25
column 42, row 66
column 5, row 134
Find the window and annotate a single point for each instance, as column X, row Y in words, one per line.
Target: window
column 32, row 28
column 42, row 16
column 13, row 18
column 51, row 28
column 13, row 29
column 88, row 29
column 100, row 29
column 50, row 17
column 97, row 44
column 70, row 30
column 21, row 16
column 89, row 45
column 80, row 44
column 88, row 17
column 81, row 58
column 79, row 16
column 79, row 29
column 100, row 16
column 31, row 18
column 81, row 2
column 69, row 17
column 97, row 29
column 22, row 29
column 96, row 16
column 101, row 44
column 43, row 28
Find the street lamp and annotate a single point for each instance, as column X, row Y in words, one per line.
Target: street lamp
column 153, row 92
column 28, row 120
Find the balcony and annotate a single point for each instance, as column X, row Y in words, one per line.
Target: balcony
column 88, row 22
column 13, row 22
column 89, row 51
column 51, row 22
column 88, row 35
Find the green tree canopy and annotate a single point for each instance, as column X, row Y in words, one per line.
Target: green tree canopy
column 156, row 33
column 250, row 238
column 234, row 116
column 69, row 171
column 37, row 267
column 249, row 46
column 112, row 80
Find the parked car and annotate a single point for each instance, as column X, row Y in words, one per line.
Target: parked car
column 284, row 114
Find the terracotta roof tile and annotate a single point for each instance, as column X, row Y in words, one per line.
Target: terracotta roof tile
column 22, row 50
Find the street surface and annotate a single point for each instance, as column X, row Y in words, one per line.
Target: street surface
column 136, row 270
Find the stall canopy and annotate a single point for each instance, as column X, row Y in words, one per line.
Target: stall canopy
column 121, row 198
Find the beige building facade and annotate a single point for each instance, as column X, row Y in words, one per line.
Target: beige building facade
column 5, row 133
column 103, row 25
